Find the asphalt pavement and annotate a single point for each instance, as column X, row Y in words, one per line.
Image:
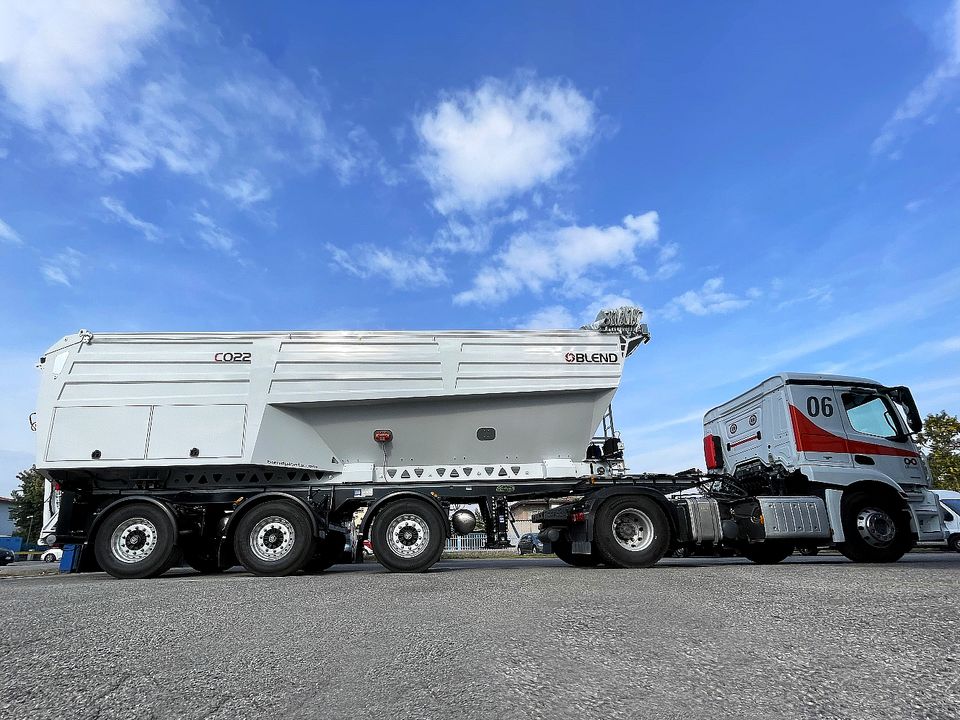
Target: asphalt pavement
column 508, row 638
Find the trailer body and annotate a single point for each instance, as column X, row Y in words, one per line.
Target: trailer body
column 524, row 402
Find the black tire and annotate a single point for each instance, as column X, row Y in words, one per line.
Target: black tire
column 954, row 542
column 329, row 553
column 202, row 557
column 808, row 550
column 274, row 538
column 640, row 522
column 768, row 552
column 49, row 558
column 893, row 520
column 563, row 550
column 409, row 535
column 136, row 541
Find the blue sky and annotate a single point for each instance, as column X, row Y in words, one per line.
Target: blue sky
column 775, row 184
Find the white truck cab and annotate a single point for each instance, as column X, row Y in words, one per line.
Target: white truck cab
column 845, row 442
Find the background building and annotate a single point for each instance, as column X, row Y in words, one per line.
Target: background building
column 6, row 522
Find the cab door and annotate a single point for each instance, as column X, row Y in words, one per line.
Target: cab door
column 818, row 430
column 876, row 436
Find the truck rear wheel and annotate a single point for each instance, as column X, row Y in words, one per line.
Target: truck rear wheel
column 274, row 538
column 136, row 541
column 409, row 536
column 768, row 552
column 630, row 532
column 562, row 549
column 875, row 528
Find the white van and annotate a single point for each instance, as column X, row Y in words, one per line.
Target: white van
column 950, row 507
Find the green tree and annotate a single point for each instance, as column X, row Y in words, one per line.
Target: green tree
column 941, row 439
column 27, row 510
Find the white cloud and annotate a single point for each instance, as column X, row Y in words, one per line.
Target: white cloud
column 247, row 189
column 549, row 318
column 688, row 419
column 401, row 269
column 555, row 317
column 822, row 295
column 934, row 87
column 57, row 59
column 921, row 353
column 711, row 299
column 150, row 231
column 213, row 235
column 9, row 235
column 942, row 289
column 65, row 268
column 503, row 138
column 102, row 90
column 561, row 256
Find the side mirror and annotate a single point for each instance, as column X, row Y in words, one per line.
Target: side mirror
column 947, row 516
column 904, row 398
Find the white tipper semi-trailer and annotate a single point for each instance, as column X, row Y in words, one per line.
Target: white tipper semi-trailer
column 260, row 448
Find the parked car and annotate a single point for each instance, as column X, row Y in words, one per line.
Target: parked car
column 529, row 544
column 52, row 555
column 950, row 510
column 6, row 556
column 367, row 549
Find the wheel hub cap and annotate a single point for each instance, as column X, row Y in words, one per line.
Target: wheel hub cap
column 134, row 540
column 272, row 538
column 408, row 535
column 632, row 529
column 876, row 527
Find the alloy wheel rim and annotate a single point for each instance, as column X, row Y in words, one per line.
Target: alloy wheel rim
column 134, row 540
column 632, row 529
column 272, row 538
column 408, row 535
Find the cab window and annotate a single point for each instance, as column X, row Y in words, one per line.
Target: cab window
column 870, row 415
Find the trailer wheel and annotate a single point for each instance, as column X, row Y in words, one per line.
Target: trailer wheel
column 274, row 538
column 409, row 536
column 136, row 541
column 768, row 552
column 630, row 532
column 876, row 529
column 563, row 550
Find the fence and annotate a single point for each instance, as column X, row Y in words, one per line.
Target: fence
column 473, row 541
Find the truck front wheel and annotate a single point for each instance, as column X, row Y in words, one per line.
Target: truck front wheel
column 630, row 532
column 409, row 536
column 136, row 541
column 875, row 528
column 274, row 538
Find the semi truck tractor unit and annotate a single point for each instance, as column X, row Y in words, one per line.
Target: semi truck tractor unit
column 264, row 448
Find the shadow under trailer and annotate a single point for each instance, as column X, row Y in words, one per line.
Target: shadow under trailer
column 261, row 449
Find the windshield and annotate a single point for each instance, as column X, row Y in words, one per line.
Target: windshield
column 953, row 504
column 871, row 415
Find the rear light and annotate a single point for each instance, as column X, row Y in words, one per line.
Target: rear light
column 578, row 516
column 383, row 436
column 712, row 452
